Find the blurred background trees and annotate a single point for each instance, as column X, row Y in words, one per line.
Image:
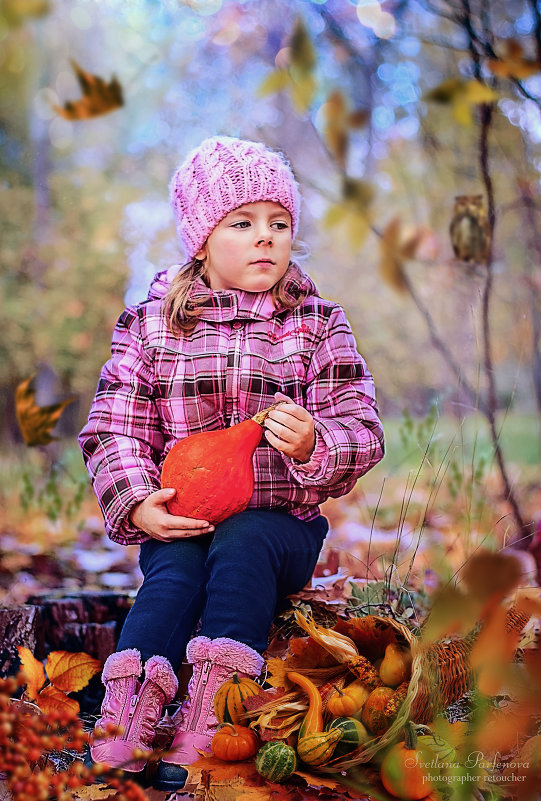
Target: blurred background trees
column 387, row 111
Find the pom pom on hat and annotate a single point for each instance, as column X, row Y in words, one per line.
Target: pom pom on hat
column 222, row 174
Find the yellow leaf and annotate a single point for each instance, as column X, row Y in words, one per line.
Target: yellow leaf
column 462, row 96
column 396, row 246
column 476, row 92
column 99, row 97
column 71, row 672
column 358, row 194
column 303, row 54
column 15, row 12
column 358, row 226
column 302, row 92
column 32, row 671
column 338, row 122
column 50, row 699
column 452, row 612
column 36, row 422
column 335, row 214
column 276, row 81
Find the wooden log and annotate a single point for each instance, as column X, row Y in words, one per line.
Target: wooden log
column 18, row 626
column 80, row 621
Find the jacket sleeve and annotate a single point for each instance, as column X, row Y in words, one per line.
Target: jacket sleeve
column 341, row 398
column 122, row 441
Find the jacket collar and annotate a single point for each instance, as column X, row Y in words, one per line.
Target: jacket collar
column 231, row 304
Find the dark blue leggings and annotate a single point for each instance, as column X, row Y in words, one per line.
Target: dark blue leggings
column 234, row 580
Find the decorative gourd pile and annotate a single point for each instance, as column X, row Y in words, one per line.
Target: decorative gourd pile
column 340, row 716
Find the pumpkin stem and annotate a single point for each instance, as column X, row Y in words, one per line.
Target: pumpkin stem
column 234, row 732
column 261, row 416
column 410, row 738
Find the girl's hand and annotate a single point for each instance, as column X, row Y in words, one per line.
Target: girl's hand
column 151, row 516
column 290, row 429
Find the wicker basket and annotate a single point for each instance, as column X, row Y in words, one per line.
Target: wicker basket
column 440, row 675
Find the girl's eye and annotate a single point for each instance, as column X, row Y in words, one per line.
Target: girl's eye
column 280, row 225
column 241, row 224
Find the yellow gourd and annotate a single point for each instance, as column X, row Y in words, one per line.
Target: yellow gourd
column 314, row 746
column 396, row 665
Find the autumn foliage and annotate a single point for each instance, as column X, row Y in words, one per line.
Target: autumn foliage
column 28, row 739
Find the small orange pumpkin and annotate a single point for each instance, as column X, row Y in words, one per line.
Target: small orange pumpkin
column 233, row 743
column 348, row 702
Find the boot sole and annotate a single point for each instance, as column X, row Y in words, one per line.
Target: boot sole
column 170, row 777
column 139, row 777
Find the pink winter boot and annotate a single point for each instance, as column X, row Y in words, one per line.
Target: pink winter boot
column 134, row 707
column 214, row 661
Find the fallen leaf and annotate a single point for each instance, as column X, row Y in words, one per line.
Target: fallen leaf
column 99, row 97
column 70, row 672
column 36, row 422
column 210, row 779
column 514, row 64
column 51, row 699
column 93, row 792
column 32, row 671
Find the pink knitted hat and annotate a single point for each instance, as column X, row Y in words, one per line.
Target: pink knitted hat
column 222, row 174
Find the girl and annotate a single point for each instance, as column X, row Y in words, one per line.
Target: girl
column 234, row 330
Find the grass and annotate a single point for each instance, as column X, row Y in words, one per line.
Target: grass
column 520, row 439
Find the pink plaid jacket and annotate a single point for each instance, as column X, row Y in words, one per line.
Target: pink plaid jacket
column 156, row 389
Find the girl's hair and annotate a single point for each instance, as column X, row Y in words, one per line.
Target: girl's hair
column 181, row 313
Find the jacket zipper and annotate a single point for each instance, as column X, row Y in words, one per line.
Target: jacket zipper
column 201, row 687
column 232, row 377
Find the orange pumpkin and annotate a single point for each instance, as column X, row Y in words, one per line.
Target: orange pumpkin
column 401, row 771
column 212, row 471
column 348, row 702
column 233, row 743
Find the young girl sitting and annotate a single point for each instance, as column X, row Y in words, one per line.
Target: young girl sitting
column 237, row 328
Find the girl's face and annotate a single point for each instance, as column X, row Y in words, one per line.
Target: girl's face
column 250, row 248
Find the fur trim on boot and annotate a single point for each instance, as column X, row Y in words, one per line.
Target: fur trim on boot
column 122, row 664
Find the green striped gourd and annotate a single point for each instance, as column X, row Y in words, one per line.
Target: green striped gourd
column 276, row 761
column 354, row 734
column 318, row 748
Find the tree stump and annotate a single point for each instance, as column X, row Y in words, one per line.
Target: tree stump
column 18, row 626
column 80, row 621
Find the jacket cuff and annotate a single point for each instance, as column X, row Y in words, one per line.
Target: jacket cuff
column 318, row 463
column 117, row 520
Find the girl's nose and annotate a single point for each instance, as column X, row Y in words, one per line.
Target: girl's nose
column 265, row 240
